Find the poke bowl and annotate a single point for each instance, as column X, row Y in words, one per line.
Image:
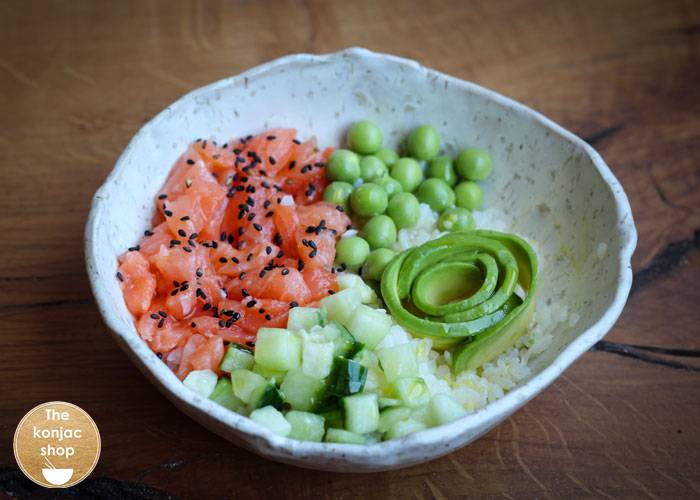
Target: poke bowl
column 550, row 201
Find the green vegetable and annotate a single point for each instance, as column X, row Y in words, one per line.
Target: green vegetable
column 237, row 356
column 460, row 289
column 305, row 318
column 302, row 391
column 423, row 143
column 361, row 413
column 344, row 166
column 389, row 417
column 246, row 383
column 317, row 359
column 365, row 137
column 408, row 172
column 369, row 199
column 436, row 193
column 403, row 428
column 390, row 185
column 456, row 219
column 347, row 377
column 267, row 395
column 474, row 164
column 345, row 437
column 338, row 193
column 223, row 395
column 202, row 382
column 376, row 262
column 380, row 232
column 388, row 156
column 341, row 305
column 441, row 168
column 352, row 251
column 344, row 344
column 443, row 409
column 468, row 195
column 398, row 361
column 272, row 419
column 372, row 168
column 404, row 209
column 412, row 391
column 368, row 325
column 278, row 349
column 305, row 426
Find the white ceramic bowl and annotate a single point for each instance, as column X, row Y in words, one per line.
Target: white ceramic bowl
column 551, row 186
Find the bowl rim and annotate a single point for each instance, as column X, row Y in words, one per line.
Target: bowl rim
column 172, row 387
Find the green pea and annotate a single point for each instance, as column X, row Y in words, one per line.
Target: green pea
column 456, row 219
column 474, row 164
column 408, row 172
column 441, row 168
column 351, row 251
column 343, row 165
column 424, row 143
column 404, row 209
column 380, row 232
column 372, row 168
column 390, row 185
column 468, row 195
column 338, row 193
column 388, row 156
column 376, row 263
column 369, row 199
column 436, row 193
column 365, row 137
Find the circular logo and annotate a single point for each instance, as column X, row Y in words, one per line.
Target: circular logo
column 57, row 444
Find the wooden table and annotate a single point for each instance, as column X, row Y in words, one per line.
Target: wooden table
column 77, row 79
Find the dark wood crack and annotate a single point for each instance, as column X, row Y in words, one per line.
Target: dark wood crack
column 665, row 261
column 603, row 134
column 14, row 484
column 640, row 353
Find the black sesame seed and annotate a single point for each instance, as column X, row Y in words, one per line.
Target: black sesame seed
column 229, row 322
column 268, row 317
column 134, row 248
column 199, row 272
column 162, row 196
column 280, row 254
column 174, row 292
column 285, row 271
column 271, row 137
column 300, row 265
column 193, row 325
column 292, row 165
column 331, row 292
column 120, row 277
column 268, row 250
column 262, row 273
column 148, row 233
column 257, row 226
column 206, row 306
column 251, row 303
column 168, row 213
column 181, row 232
column 222, row 323
column 293, row 304
column 161, row 323
column 242, row 275
column 154, row 316
column 250, row 344
column 312, row 253
column 187, row 249
column 190, row 161
column 175, row 242
column 272, row 160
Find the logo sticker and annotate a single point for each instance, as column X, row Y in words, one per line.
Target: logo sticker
column 57, row 444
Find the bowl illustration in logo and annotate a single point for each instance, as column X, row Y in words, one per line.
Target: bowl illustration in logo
column 57, row 477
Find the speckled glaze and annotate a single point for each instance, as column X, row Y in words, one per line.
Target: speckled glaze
column 550, row 185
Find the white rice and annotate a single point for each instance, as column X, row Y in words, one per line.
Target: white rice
column 474, row 389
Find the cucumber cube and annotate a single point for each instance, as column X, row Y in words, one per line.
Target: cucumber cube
column 344, row 344
column 340, row 306
column 403, row 428
column 305, row 318
column 366, row 358
column 388, row 418
column 201, row 381
column 246, row 383
column 302, row 391
column 342, row 436
column 412, row 391
column 443, row 409
column 333, row 417
column 385, row 403
column 267, row 395
column 306, row 426
column 278, row 349
column 361, row 413
column 350, row 280
column 317, row 359
column 272, row 375
column 223, row 395
column 272, row 419
column 347, row 377
column 398, row 361
column 368, row 325
column 236, row 357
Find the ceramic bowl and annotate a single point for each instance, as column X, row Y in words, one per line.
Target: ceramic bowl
column 550, row 186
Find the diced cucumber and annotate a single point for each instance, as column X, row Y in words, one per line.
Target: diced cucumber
column 342, row 436
column 237, row 357
column 350, row 280
column 347, row 377
column 272, row 375
column 302, row 391
column 344, row 343
column 246, row 383
column 271, row 418
column 306, row 426
column 223, row 394
column 201, row 381
column 368, row 325
column 268, row 395
column 317, row 358
column 388, row 418
column 366, row 358
column 361, row 413
column 340, row 306
column 388, row 403
column 403, row 428
column 333, row 417
column 413, row 391
column 398, row 361
column 278, row 349
column 304, row 318
column 443, row 409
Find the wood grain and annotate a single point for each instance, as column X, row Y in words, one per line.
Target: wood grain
column 77, row 79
